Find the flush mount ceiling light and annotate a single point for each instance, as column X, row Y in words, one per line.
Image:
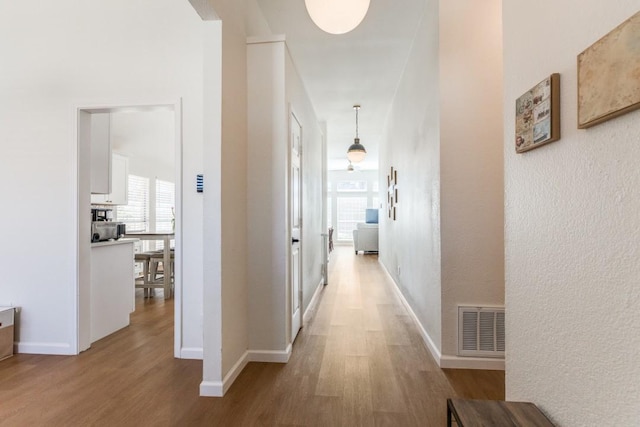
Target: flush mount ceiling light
column 356, row 152
column 337, row 16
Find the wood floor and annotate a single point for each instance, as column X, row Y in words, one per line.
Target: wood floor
column 359, row 361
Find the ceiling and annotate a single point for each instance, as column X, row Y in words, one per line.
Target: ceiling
column 361, row 67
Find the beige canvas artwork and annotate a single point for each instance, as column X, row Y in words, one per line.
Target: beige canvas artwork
column 609, row 75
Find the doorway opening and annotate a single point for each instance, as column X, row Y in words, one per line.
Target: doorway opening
column 143, row 146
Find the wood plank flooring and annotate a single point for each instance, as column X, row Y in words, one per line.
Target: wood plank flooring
column 358, row 362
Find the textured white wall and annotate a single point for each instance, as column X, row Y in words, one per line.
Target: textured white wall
column 572, row 230
column 471, row 164
column 74, row 54
column 444, row 137
column 411, row 144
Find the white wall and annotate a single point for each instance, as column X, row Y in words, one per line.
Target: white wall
column 444, row 137
column 226, row 290
column 411, row 144
column 274, row 87
column 313, row 163
column 72, row 54
column 471, row 165
column 572, row 239
column 267, row 196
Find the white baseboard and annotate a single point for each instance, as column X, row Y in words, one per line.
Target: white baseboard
column 194, row 353
column 445, row 361
column 219, row 388
column 313, row 302
column 270, row 356
column 53, row 348
column 211, row 389
column 431, row 346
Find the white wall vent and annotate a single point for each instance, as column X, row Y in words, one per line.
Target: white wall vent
column 481, row 331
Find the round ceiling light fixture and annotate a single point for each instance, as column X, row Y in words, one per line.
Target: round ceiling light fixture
column 337, row 16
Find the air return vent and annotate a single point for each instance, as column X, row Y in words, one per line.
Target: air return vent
column 481, row 331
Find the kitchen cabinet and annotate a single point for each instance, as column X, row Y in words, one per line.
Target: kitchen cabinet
column 112, row 286
column 119, row 179
column 100, row 153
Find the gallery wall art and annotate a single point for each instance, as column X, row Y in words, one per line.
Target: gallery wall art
column 392, row 193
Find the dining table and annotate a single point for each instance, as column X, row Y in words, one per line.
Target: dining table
column 166, row 238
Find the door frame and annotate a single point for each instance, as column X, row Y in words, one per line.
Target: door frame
column 82, row 299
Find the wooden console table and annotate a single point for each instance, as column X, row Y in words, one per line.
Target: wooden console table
column 495, row 413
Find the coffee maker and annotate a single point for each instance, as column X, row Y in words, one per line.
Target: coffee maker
column 101, row 214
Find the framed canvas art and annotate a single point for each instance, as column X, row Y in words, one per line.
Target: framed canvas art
column 609, row 75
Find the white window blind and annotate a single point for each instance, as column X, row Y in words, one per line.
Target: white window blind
column 165, row 202
column 136, row 213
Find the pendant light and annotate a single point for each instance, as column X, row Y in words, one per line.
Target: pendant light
column 337, row 16
column 356, row 152
column 350, row 168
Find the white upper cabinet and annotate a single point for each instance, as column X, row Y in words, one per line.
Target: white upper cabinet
column 119, row 180
column 100, row 153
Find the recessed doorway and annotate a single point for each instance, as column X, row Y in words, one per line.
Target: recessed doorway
column 148, row 137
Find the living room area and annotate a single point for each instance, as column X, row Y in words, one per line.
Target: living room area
column 353, row 209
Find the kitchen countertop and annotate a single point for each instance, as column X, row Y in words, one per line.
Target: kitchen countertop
column 120, row 241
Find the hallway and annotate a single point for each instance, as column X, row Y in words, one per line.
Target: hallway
column 359, row 361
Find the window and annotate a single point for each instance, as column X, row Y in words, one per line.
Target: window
column 351, row 210
column 329, row 214
column 136, row 213
column 165, row 202
column 351, row 186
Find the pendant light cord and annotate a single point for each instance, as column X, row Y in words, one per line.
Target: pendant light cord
column 356, row 107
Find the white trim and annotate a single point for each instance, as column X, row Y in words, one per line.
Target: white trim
column 235, row 370
column 457, row 362
column 431, row 346
column 211, row 389
column 193, row 353
column 217, row 388
column 178, row 288
column 314, row 300
column 453, row 362
column 270, row 356
column 53, row 348
column 276, row 38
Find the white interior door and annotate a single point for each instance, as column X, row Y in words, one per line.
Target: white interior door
column 296, row 225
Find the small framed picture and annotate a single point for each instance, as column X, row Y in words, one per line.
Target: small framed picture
column 538, row 115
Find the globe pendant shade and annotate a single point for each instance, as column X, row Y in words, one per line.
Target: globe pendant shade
column 356, row 152
column 337, row 16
